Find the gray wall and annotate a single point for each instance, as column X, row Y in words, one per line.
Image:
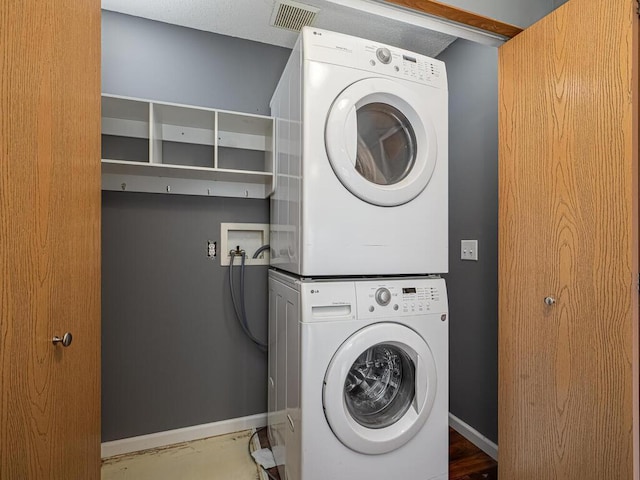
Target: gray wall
column 473, row 214
column 172, row 353
column 157, row 61
column 517, row 12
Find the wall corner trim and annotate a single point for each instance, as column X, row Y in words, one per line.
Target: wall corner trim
column 474, row 436
column 179, row 435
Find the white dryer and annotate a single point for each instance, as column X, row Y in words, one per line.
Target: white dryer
column 361, row 160
column 358, row 378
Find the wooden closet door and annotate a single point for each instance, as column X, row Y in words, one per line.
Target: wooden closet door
column 568, row 230
column 49, row 239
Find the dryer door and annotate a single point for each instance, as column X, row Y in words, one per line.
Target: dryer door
column 379, row 388
column 382, row 150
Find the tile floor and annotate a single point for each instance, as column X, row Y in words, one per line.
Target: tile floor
column 223, row 457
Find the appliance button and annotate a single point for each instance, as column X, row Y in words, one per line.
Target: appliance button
column 384, row 55
column 383, row 296
column 371, row 308
column 395, row 307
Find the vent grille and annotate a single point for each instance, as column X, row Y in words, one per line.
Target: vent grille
column 293, row 15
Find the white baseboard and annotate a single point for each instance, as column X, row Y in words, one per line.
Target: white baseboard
column 170, row 437
column 474, row 436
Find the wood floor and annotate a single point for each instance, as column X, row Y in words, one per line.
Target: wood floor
column 466, row 461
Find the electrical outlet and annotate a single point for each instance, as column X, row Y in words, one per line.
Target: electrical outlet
column 211, row 249
column 469, row 250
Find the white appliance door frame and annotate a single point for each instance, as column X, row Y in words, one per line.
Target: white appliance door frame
column 379, row 440
column 341, row 137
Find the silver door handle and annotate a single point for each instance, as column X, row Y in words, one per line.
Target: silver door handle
column 66, row 339
column 549, row 300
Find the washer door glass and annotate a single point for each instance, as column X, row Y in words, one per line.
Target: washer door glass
column 381, row 149
column 380, row 386
column 386, row 149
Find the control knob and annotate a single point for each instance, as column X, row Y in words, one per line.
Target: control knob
column 384, row 55
column 383, row 296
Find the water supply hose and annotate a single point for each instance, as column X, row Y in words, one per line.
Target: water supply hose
column 239, row 305
column 260, row 250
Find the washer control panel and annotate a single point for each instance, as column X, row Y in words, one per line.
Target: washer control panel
column 389, row 298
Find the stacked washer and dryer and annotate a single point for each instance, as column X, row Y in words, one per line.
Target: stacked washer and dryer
column 358, row 316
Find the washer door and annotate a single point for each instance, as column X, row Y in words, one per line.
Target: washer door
column 379, row 388
column 382, row 150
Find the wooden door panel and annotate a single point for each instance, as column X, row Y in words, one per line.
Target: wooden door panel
column 569, row 229
column 50, row 237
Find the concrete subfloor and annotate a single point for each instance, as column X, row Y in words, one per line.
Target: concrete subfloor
column 221, row 457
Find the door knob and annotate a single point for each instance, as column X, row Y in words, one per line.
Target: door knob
column 549, row 300
column 65, row 340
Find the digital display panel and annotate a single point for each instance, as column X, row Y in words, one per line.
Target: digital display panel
column 409, row 290
column 408, row 59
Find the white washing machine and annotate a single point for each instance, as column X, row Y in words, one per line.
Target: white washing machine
column 361, row 160
column 358, row 378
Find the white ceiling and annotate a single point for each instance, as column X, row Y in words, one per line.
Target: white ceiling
column 250, row 19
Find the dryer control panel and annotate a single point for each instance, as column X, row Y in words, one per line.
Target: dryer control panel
column 353, row 52
column 411, row 296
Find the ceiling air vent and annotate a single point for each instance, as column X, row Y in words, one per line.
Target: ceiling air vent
column 292, row 15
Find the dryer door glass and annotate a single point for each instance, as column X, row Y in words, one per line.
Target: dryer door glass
column 380, row 386
column 381, row 142
column 386, row 148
